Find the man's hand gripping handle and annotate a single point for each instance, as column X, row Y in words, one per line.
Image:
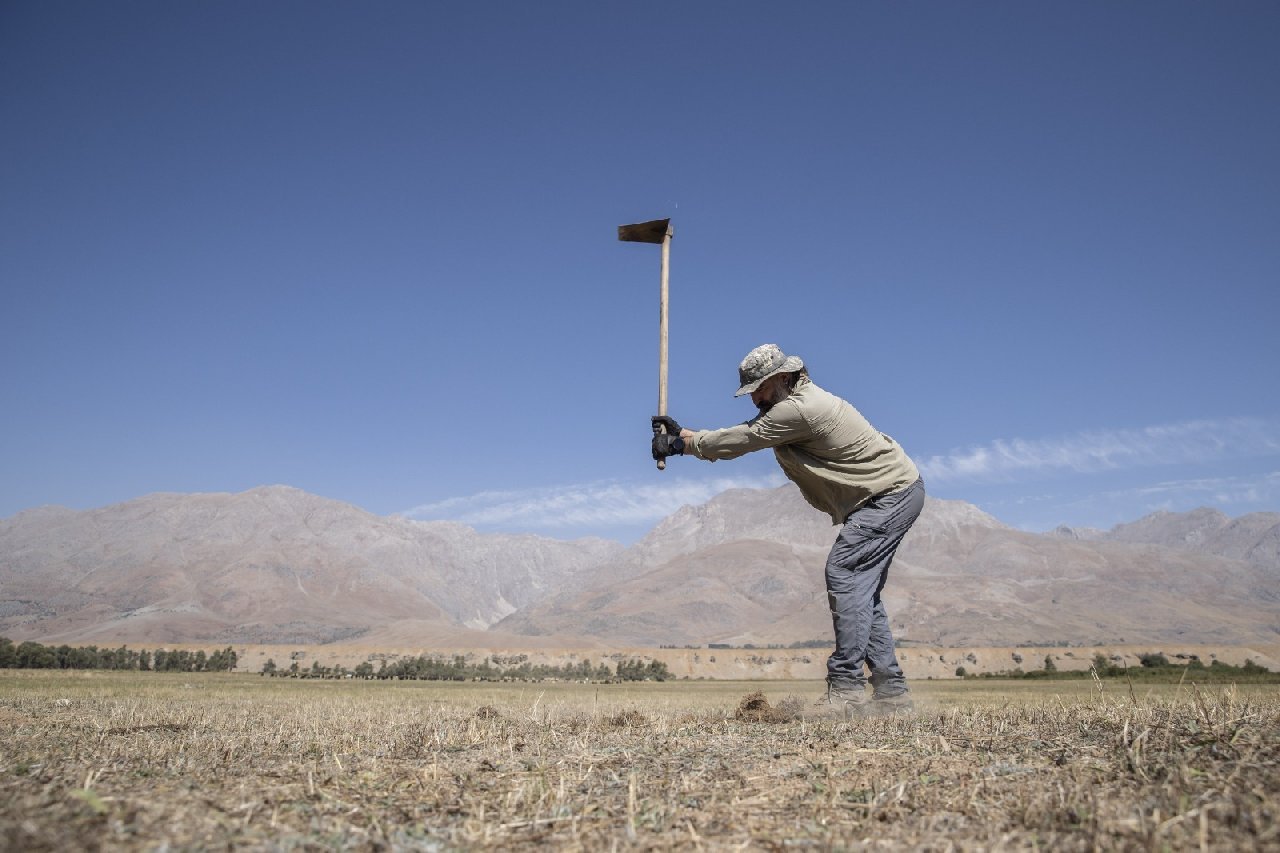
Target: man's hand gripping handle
column 666, row 439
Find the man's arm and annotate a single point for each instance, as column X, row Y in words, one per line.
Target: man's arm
column 783, row 424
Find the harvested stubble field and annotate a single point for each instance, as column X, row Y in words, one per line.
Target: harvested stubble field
column 155, row 761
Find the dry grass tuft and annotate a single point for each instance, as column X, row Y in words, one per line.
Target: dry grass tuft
column 154, row 727
column 116, row 761
column 629, row 718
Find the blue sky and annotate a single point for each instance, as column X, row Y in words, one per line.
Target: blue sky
column 368, row 250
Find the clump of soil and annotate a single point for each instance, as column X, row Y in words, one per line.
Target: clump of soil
column 627, row 719
column 754, row 708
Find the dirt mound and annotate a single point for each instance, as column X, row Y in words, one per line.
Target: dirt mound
column 755, row 708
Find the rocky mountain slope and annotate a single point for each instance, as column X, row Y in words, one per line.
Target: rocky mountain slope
column 747, row 567
column 269, row 565
column 1254, row 538
column 278, row 565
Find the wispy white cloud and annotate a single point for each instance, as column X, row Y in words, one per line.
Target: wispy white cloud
column 1221, row 491
column 1191, row 442
column 609, row 504
column 598, row 504
column 1233, row 495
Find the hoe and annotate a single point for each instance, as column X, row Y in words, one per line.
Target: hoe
column 658, row 231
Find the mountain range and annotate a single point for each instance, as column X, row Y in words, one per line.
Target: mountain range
column 278, row 565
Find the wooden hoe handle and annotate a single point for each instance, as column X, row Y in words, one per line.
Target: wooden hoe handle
column 662, row 336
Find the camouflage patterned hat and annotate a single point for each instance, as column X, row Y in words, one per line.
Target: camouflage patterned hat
column 761, row 363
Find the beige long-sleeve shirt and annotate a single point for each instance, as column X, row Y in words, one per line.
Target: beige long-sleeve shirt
column 824, row 445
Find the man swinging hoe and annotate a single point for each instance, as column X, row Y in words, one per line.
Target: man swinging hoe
column 846, row 468
column 843, row 466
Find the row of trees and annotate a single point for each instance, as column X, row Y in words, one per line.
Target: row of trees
column 1159, row 665
column 458, row 668
column 32, row 655
column 1152, row 665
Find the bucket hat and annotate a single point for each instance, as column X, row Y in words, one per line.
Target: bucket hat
column 761, row 363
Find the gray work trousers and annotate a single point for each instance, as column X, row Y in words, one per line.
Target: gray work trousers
column 857, row 568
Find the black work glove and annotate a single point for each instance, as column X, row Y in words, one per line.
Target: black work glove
column 665, row 445
column 666, row 421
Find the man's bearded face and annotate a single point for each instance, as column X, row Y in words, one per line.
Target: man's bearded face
column 771, row 392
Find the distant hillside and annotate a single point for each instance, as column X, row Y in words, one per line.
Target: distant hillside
column 1254, row 538
column 747, row 567
column 277, row 565
column 269, row 565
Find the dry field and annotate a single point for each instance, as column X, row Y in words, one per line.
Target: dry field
column 191, row 762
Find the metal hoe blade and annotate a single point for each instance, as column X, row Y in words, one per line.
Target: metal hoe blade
column 645, row 232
